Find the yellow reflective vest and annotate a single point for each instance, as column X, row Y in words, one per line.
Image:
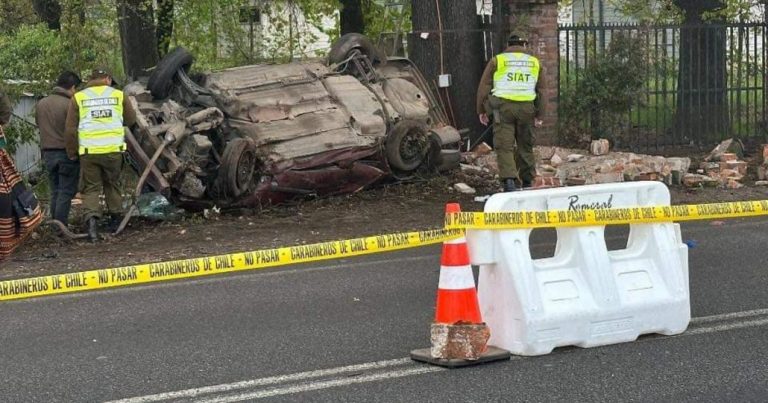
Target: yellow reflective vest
column 100, row 130
column 516, row 76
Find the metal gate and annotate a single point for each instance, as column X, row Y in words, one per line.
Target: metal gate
column 697, row 84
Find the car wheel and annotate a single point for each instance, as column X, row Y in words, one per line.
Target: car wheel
column 350, row 44
column 407, row 145
column 161, row 81
column 238, row 165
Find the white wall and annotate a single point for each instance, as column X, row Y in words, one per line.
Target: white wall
column 610, row 14
column 27, row 156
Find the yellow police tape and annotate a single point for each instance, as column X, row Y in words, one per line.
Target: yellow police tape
column 630, row 215
column 455, row 223
column 188, row 268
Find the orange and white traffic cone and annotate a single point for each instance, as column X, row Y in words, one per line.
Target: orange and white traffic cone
column 459, row 336
column 456, row 293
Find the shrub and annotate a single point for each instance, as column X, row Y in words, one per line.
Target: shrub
column 605, row 91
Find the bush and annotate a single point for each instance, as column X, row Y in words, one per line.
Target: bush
column 18, row 132
column 605, row 91
column 31, row 53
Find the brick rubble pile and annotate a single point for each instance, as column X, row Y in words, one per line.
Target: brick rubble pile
column 557, row 166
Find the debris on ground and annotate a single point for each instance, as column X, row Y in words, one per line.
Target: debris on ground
column 156, row 207
column 724, row 167
column 762, row 170
column 482, row 149
column 600, row 147
column 464, row 341
column 730, row 146
column 464, row 188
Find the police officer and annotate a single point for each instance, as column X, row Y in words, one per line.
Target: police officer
column 510, row 89
column 96, row 136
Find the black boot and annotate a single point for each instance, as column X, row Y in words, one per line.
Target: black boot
column 527, row 184
column 509, row 184
column 93, row 229
column 114, row 222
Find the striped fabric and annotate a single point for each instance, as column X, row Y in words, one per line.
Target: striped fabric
column 13, row 230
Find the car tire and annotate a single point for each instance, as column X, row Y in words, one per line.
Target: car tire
column 407, row 145
column 160, row 82
column 345, row 46
column 238, row 166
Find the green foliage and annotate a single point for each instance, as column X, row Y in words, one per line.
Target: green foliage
column 90, row 37
column 380, row 19
column 31, row 53
column 211, row 29
column 668, row 11
column 15, row 13
column 294, row 26
column 215, row 34
column 606, row 89
column 18, row 132
column 37, row 54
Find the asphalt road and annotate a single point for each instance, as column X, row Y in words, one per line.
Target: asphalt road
column 342, row 332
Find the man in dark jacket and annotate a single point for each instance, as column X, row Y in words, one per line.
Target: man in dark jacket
column 63, row 171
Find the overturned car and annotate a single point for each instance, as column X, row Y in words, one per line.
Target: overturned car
column 262, row 134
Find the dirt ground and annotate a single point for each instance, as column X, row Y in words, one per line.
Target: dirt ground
column 395, row 208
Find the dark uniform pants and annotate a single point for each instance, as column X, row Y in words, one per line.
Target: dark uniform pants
column 101, row 171
column 64, row 177
column 513, row 138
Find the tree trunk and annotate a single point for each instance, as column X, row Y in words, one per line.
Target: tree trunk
column 49, row 12
column 352, row 19
column 702, row 106
column 137, row 34
column 460, row 54
column 164, row 25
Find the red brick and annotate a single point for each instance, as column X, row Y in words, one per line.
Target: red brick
column 729, row 173
column 543, row 182
column 738, row 166
column 647, row 176
column 728, row 157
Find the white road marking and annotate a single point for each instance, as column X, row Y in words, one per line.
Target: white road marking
column 725, row 327
column 726, row 316
column 323, row 385
column 266, row 381
column 355, row 374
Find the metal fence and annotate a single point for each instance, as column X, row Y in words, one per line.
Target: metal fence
column 700, row 83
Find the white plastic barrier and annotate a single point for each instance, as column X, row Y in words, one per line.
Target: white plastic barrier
column 585, row 295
